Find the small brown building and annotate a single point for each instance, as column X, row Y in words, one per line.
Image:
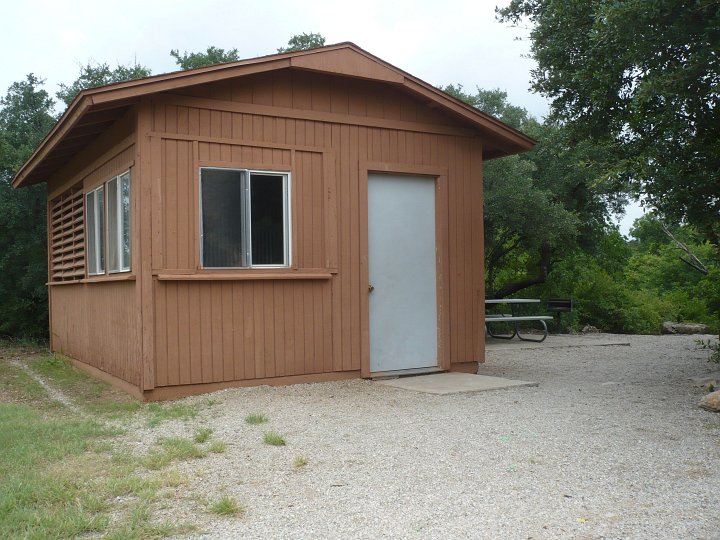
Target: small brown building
column 308, row 216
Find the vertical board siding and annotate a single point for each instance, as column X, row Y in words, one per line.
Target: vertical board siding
column 238, row 330
column 96, row 324
column 243, row 330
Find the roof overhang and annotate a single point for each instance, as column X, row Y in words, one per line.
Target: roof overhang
column 94, row 110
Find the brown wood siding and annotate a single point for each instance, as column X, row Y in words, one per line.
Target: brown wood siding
column 232, row 330
column 95, row 320
column 96, row 324
column 214, row 331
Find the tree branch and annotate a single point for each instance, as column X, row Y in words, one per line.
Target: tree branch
column 693, row 261
column 541, row 276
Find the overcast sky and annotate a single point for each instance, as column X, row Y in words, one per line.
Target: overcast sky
column 454, row 41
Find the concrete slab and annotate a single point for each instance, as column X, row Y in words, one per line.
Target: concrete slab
column 453, row 383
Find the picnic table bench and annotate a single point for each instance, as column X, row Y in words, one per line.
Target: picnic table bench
column 515, row 319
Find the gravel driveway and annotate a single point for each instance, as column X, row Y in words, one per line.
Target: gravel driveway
column 610, row 445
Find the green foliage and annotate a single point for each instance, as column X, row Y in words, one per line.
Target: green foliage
column 212, row 56
column 301, row 42
column 25, row 118
column 99, row 74
column 714, row 348
column 639, row 78
column 538, row 205
column 624, row 288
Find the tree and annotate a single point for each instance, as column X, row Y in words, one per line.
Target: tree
column 97, row 75
column 525, row 222
column 213, row 55
column 640, row 78
column 25, row 118
column 302, row 42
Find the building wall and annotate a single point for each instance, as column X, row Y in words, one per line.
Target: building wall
column 212, row 326
column 95, row 323
column 95, row 319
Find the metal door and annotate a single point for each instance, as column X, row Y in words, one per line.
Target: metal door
column 402, row 269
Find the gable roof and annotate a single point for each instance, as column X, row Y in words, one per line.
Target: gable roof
column 95, row 109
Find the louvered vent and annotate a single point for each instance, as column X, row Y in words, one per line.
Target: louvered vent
column 67, row 225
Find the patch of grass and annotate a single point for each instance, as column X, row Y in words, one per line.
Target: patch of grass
column 137, row 525
column 47, row 487
column 217, row 447
column 172, row 478
column 255, row 418
column 202, row 435
column 227, row 506
column 59, row 371
column 159, row 412
column 299, row 462
column 172, row 449
column 273, row 439
column 16, row 386
column 61, row 473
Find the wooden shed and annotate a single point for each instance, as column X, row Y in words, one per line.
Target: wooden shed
column 308, row 216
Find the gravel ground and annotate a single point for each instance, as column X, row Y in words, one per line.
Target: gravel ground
column 610, row 445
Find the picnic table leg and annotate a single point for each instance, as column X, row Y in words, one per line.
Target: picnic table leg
column 545, row 333
column 500, row 336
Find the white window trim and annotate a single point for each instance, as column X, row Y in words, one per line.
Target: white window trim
column 119, row 229
column 98, row 270
column 245, row 201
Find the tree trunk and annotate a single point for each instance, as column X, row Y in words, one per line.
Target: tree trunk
column 541, row 276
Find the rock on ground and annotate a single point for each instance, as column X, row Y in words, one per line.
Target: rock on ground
column 684, row 328
column 711, row 402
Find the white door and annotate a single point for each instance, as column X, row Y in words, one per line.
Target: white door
column 402, row 265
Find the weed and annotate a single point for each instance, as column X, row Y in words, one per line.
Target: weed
column 217, row 447
column 227, row 506
column 713, row 347
column 273, row 439
column 255, row 418
column 202, row 435
column 172, row 478
column 172, row 449
column 159, row 412
column 299, row 462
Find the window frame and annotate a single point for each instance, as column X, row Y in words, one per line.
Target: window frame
column 245, row 205
column 104, row 233
column 98, row 233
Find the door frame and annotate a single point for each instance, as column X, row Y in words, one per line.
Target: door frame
column 440, row 175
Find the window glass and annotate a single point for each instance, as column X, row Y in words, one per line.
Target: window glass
column 222, row 218
column 267, row 219
column 125, row 213
column 112, row 217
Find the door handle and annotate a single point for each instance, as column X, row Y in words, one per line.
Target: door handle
column 370, row 288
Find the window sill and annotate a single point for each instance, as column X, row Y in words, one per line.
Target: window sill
column 249, row 275
column 125, row 276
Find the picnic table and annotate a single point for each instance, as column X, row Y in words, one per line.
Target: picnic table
column 514, row 318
